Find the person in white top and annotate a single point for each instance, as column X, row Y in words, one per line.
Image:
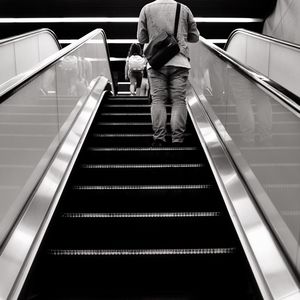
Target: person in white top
column 134, row 68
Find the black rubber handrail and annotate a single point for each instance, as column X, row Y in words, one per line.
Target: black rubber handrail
column 50, row 61
column 260, row 36
column 109, row 62
column 289, row 98
column 16, row 38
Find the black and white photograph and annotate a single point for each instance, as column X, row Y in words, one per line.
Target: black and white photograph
column 149, row 150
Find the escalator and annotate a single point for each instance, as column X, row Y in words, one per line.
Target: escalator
column 139, row 222
column 111, row 217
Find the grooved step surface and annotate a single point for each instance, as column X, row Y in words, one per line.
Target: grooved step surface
column 141, row 187
column 142, row 155
column 143, row 233
column 210, row 251
column 183, row 174
column 139, row 222
column 188, row 274
column 136, row 199
column 133, row 139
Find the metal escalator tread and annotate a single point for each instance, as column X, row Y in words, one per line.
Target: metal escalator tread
column 207, row 251
column 150, row 222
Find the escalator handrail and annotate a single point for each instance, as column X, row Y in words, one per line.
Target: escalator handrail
column 19, row 37
column 273, row 273
column 290, row 99
column 260, row 36
column 18, row 251
column 113, row 84
column 51, row 60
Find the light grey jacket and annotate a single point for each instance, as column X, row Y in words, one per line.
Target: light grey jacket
column 159, row 16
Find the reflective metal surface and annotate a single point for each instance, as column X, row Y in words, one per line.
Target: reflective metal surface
column 19, row 54
column 37, row 146
column 290, row 100
column 261, row 133
column 275, row 59
column 35, row 118
column 20, row 249
column 259, row 36
column 97, row 34
column 273, row 275
column 30, row 34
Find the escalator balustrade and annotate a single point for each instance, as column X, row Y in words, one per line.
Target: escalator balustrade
column 139, row 222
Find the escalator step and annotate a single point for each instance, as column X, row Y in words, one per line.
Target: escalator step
column 142, row 174
column 139, row 252
column 127, row 108
column 125, row 154
column 139, row 222
column 144, row 274
column 142, row 187
column 129, row 127
column 127, row 100
column 132, row 139
column 142, row 215
column 126, row 117
column 139, row 199
column 142, row 231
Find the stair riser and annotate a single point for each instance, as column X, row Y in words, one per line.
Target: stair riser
column 131, row 128
column 142, row 233
column 142, row 176
column 134, row 141
column 137, row 157
column 127, row 109
column 128, row 101
column 132, row 118
column 155, row 200
column 143, row 118
column 156, row 277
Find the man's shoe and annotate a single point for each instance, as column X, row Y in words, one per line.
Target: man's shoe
column 158, row 143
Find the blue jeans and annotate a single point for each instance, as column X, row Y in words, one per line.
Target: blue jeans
column 168, row 83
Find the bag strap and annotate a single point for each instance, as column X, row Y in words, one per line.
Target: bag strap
column 178, row 6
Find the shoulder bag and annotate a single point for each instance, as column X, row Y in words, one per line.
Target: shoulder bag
column 164, row 46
